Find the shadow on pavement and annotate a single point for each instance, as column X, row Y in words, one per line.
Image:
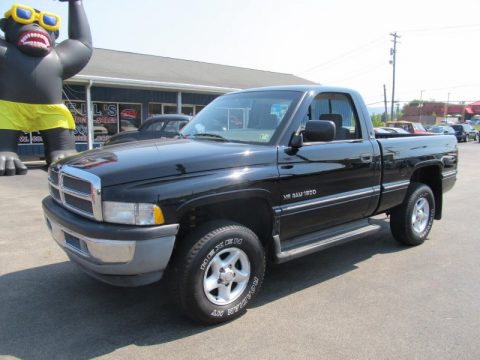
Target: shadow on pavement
column 56, row 311
column 297, row 275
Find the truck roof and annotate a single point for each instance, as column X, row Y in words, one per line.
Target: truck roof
column 302, row 88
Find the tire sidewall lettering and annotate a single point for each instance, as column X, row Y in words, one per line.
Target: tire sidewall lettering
column 233, row 310
column 221, row 245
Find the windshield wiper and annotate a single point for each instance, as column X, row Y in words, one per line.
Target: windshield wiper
column 211, row 136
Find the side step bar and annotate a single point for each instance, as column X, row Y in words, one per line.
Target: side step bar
column 321, row 240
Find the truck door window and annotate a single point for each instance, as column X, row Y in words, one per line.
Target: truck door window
column 338, row 108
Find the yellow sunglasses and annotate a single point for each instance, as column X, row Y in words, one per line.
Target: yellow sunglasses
column 27, row 15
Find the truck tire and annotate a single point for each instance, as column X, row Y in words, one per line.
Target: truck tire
column 411, row 221
column 219, row 269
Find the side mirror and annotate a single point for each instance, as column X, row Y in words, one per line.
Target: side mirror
column 319, row 130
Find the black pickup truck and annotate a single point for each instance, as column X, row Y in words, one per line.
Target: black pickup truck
column 264, row 174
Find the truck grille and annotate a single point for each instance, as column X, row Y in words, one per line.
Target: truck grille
column 77, row 190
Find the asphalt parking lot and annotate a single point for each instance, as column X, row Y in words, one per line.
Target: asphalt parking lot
column 368, row 299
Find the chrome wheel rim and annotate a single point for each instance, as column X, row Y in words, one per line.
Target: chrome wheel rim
column 226, row 276
column 420, row 215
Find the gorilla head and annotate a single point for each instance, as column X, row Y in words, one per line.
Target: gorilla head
column 31, row 31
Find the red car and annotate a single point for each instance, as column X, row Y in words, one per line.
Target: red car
column 411, row 127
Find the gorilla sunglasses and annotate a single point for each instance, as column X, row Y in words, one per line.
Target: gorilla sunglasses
column 27, row 15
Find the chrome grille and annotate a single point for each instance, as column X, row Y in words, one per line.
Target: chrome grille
column 77, row 190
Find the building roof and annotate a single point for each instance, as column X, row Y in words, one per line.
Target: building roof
column 126, row 69
column 432, row 107
column 473, row 108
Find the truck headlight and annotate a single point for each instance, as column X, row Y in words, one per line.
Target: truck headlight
column 132, row 213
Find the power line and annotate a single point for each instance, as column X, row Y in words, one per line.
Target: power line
column 377, row 40
column 453, row 87
column 363, row 71
column 441, row 28
column 339, row 57
column 456, row 102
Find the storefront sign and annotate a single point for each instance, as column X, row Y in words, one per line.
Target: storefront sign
column 108, row 119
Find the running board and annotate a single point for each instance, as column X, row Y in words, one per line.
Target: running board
column 321, row 240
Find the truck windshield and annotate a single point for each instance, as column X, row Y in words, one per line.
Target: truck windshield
column 250, row 117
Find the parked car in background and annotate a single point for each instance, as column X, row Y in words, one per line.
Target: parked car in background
column 159, row 126
column 395, row 130
column 126, row 125
column 379, row 130
column 411, row 127
column 464, row 132
column 442, row 129
column 99, row 130
column 390, row 130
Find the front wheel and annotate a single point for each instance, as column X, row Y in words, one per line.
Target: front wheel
column 219, row 271
column 411, row 221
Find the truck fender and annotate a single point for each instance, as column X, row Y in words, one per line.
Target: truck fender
column 224, row 196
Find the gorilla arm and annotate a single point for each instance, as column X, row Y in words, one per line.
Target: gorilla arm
column 3, row 50
column 75, row 52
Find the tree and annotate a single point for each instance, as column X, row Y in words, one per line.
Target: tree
column 377, row 120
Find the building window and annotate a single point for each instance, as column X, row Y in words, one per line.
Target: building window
column 108, row 119
column 158, row 109
column 154, row 109
column 188, row 110
column 169, row 109
column 130, row 116
column 199, row 108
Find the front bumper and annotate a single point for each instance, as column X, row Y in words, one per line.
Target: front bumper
column 120, row 255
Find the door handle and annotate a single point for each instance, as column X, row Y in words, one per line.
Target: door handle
column 366, row 158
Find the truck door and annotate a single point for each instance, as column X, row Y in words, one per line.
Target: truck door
column 324, row 184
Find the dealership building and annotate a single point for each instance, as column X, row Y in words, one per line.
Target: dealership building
column 118, row 90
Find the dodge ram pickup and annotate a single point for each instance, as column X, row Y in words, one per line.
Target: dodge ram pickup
column 264, row 174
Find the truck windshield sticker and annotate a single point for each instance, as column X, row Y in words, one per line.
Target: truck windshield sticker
column 264, row 137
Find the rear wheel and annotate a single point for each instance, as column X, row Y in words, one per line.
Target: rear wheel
column 411, row 222
column 219, row 271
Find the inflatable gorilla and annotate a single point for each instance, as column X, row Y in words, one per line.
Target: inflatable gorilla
column 32, row 69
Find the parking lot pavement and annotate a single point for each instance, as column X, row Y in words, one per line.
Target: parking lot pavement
column 367, row 299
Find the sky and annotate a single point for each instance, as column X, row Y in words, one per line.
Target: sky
column 335, row 42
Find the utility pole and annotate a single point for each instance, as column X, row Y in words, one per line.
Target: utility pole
column 393, row 53
column 420, row 106
column 385, row 118
column 445, row 111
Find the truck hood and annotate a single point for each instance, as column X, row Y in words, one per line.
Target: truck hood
column 144, row 160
